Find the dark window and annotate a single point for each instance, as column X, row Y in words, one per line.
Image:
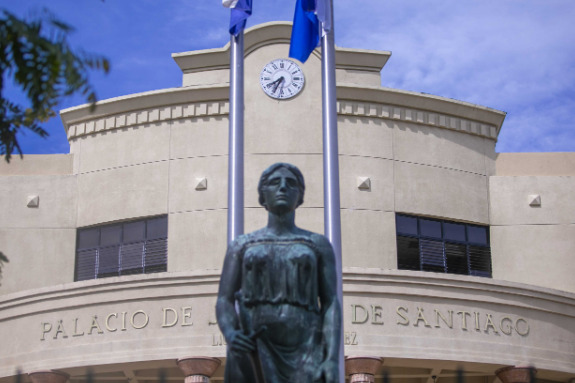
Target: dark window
column 406, row 225
column 135, row 247
column 442, row 246
column 429, row 228
column 408, row 247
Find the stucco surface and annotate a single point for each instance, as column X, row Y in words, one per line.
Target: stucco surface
column 536, row 164
column 215, row 76
column 509, row 200
column 200, row 136
column 141, row 155
column 123, row 193
column 38, row 257
column 368, row 239
column 57, row 201
column 408, row 319
column 159, row 317
column 380, row 173
column 541, row 255
column 367, row 137
column 288, row 126
column 124, row 147
column 197, row 240
column 184, row 174
column 439, row 147
column 428, row 190
column 357, row 77
column 37, row 164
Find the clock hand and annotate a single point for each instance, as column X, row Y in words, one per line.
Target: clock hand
column 279, row 81
column 270, row 84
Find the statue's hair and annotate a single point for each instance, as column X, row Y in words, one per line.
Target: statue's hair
column 269, row 171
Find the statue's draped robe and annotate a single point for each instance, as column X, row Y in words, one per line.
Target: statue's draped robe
column 279, row 292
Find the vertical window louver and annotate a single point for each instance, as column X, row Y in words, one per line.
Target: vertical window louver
column 135, row 247
column 442, row 246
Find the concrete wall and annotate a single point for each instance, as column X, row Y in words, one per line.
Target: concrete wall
column 39, row 241
column 402, row 316
column 37, row 164
column 535, row 164
column 533, row 219
column 143, row 155
column 533, row 243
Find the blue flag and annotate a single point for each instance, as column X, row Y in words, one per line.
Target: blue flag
column 241, row 10
column 305, row 32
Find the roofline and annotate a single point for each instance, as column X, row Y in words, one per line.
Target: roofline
column 276, row 32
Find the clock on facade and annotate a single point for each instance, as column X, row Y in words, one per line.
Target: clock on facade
column 282, row 79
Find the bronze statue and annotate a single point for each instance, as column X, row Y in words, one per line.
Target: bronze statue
column 277, row 303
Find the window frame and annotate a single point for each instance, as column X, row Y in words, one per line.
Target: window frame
column 472, row 249
column 153, row 247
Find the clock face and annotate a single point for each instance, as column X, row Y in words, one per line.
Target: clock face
column 282, row 79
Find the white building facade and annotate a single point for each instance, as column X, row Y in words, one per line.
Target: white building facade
column 454, row 256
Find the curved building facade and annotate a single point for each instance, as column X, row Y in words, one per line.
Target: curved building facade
column 454, row 256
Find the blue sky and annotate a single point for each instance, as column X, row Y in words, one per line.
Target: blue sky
column 517, row 56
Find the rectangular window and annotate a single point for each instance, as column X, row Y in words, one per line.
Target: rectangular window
column 442, row 246
column 135, row 247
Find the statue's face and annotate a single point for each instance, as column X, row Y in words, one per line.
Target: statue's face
column 281, row 191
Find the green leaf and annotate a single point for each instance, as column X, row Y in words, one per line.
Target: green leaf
column 37, row 56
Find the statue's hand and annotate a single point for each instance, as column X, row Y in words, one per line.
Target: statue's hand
column 240, row 342
column 328, row 372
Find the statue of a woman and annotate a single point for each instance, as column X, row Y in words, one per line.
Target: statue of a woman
column 277, row 304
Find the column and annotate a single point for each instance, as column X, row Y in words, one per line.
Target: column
column 362, row 369
column 48, row 376
column 198, row 369
column 516, row 374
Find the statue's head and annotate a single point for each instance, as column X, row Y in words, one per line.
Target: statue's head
column 273, row 168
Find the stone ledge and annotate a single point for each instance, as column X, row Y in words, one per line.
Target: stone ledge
column 221, row 108
column 420, row 117
column 145, row 116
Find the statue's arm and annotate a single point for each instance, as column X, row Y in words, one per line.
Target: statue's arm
column 230, row 283
column 331, row 310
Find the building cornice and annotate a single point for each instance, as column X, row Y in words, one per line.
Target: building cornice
column 419, row 108
column 210, row 101
column 147, row 107
column 276, row 33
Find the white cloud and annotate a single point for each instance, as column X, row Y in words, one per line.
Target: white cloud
column 512, row 55
column 517, row 56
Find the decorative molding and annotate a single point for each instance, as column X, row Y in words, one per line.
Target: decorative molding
column 33, row 201
column 362, row 369
column 48, row 376
column 516, row 374
column 362, row 378
column 201, row 183
column 198, row 369
column 221, row 108
column 364, row 183
column 534, row 200
column 421, row 117
column 146, row 116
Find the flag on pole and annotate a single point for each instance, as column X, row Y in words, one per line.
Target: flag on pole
column 305, row 31
column 241, row 10
column 310, row 17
